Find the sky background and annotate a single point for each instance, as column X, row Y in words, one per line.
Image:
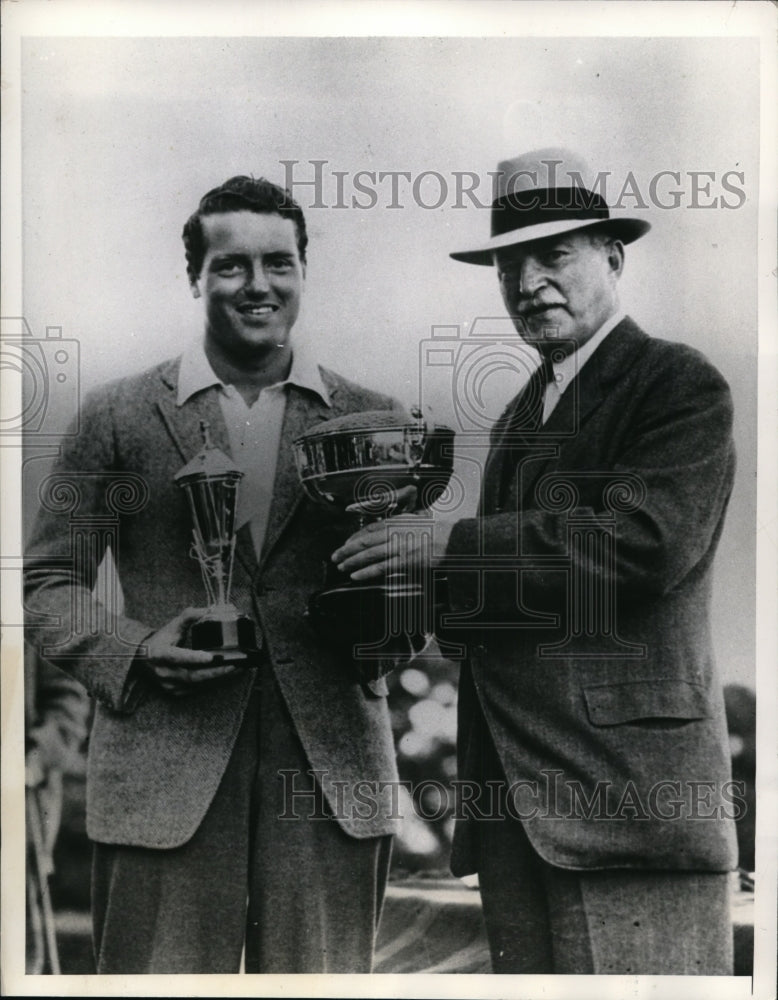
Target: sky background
column 122, row 136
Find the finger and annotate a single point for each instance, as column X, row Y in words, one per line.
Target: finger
column 189, row 615
column 370, row 507
column 175, row 629
column 364, row 557
column 374, row 572
column 179, row 625
column 179, row 656
column 406, row 498
column 370, row 537
column 207, row 674
column 188, row 674
column 178, row 681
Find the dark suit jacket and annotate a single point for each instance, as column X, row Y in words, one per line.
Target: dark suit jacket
column 583, row 603
column 155, row 762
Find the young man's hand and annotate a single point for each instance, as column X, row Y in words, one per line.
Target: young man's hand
column 177, row 670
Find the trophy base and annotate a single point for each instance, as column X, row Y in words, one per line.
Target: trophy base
column 373, row 623
column 232, row 641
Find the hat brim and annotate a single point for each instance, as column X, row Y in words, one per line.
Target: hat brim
column 626, row 230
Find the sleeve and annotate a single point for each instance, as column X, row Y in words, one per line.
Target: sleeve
column 662, row 497
column 65, row 623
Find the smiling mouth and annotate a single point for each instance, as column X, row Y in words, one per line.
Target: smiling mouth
column 260, row 309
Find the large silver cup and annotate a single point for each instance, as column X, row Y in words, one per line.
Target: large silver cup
column 363, row 459
column 210, row 482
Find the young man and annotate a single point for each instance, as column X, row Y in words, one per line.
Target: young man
column 191, row 762
column 592, row 737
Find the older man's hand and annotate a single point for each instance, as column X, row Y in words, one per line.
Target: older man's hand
column 398, row 544
column 387, row 503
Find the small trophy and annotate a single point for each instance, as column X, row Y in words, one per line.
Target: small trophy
column 363, row 459
column 210, row 482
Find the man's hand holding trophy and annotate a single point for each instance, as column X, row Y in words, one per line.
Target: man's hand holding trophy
column 384, row 468
column 379, row 466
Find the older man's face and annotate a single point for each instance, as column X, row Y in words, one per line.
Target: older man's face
column 561, row 288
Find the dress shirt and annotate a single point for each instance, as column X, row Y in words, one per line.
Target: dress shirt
column 567, row 369
column 254, row 431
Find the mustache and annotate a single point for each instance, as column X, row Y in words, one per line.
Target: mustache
column 536, row 308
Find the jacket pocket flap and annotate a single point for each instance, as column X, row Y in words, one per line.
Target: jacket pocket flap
column 610, row 704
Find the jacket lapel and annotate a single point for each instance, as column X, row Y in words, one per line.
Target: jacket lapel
column 617, row 353
column 495, row 462
column 582, row 398
column 303, row 410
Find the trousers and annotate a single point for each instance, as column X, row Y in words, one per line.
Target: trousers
column 541, row 919
column 300, row 893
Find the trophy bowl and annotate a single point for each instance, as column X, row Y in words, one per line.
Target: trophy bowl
column 364, row 459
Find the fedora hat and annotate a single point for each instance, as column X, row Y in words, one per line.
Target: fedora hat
column 543, row 194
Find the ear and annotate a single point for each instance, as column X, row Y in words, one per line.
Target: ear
column 616, row 258
column 195, row 289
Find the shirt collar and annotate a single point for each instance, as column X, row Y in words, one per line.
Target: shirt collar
column 567, row 369
column 306, row 374
column 195, row 374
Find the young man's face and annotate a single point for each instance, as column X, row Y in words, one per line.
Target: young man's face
column 251, row 282
column 561, row 288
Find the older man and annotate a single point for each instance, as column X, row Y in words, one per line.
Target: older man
column 220, row 796
column 596, row 802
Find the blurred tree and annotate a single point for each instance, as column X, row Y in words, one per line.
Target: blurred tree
column 56, row 711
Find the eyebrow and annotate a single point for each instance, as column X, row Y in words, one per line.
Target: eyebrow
column 223, row 258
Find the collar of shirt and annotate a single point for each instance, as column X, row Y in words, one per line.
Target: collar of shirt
column 195, row 374
column 567, row 369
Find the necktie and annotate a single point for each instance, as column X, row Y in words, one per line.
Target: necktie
column 523, row 417
column 526, row 412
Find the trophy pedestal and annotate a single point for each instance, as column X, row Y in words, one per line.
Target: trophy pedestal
column 373, row 623
column 231, row 640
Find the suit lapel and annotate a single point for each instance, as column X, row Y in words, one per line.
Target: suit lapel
column 617, row 353
column 495, row 462
column 303, row 410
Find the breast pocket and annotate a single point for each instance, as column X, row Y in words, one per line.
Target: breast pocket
column 656, row 703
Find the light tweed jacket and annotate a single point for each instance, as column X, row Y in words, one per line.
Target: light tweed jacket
column 155, row 762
